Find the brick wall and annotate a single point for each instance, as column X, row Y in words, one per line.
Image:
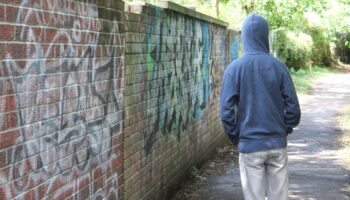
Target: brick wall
column 61, row 99
column 76, row 124
column 174, row 62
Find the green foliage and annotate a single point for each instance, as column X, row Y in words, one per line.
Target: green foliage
column 284, row 13
column 293, row 48
column 291, row 15
column 280, row 14
column 321, row 50
column 230, row 12
column 303, row 42
column 195, row 172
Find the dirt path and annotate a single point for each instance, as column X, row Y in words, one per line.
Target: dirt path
column 315, row 165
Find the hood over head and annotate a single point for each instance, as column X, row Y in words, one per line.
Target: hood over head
column 255, row 34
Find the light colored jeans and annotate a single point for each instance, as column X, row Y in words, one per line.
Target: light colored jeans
column 264, row 174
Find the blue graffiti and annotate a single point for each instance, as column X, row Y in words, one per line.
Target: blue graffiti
column 178, row 76
column 203, row 72
column 234, row 48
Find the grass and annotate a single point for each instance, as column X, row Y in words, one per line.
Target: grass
column 344, row 140
column 303, row 79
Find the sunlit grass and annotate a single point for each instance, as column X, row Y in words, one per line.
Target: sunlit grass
column 304, row 79
column 344, row 141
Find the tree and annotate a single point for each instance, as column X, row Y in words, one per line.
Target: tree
column 284, row 13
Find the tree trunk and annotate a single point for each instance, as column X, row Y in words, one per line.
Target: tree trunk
column 217, row 7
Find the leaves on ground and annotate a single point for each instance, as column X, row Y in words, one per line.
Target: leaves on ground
column 344, row 140
column 224, row 158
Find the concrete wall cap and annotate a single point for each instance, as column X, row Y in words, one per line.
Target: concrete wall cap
column 137, row 7
column 187, row 11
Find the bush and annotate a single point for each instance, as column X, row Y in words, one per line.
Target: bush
column 293, row 48
column 321, row 50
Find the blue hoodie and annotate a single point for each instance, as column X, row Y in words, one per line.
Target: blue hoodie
column 258, row 103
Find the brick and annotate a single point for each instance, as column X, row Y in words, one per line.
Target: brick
column 68, row 22
column 97, row 184
column 3, row 192
column 118, row 161
column 8, row 138
column 58, row 195
column 119, row 5
column 97, row 173
column 30, row 17
column 84, row 193
column 46, row 18
column 7, row 103
column 11, row 13
column 50, row 35
column 37, row 34
column 7, row 32
column 9, row 121
column 68, row 193
column 29, row 195
column 2, row 53
column 35, row 4
column 17, row 50
column 11, row 1
column 2, row 13
column 53, row 95
column 42, row 190
column 78, row 83
column 3, row 158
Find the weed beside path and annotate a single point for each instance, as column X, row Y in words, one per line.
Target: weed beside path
column 224, row 159
column 344, row 140
column 304, row 79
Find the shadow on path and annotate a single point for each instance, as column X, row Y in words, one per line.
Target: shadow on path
column 315, row 165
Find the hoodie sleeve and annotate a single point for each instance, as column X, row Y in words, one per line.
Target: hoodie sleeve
column 292, row 108
column 228, row 107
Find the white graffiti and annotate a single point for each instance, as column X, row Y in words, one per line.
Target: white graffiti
column 68, row 102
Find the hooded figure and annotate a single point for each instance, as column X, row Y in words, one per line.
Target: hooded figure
column 259, row 108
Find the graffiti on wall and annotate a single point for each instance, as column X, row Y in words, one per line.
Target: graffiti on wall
column 67, row 106
column 234, row 47
column 181, row 73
